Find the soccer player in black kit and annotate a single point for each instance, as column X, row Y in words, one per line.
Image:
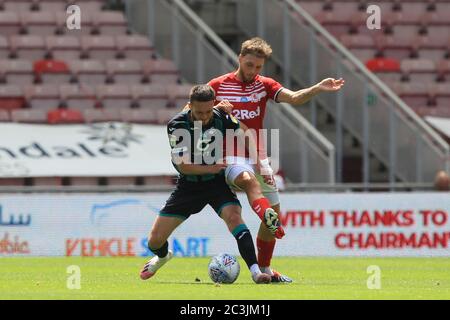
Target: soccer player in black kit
column 200, row 184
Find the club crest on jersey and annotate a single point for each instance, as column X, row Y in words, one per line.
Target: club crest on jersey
column 254, row 97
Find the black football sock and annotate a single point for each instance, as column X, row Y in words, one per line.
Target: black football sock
column 245, row 244
column 161, row 252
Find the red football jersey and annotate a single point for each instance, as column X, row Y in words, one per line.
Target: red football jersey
column 249, row 100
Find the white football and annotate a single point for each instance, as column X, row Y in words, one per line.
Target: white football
column 224, row 268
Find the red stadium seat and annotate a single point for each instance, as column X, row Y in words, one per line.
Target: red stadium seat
column 79, row 97
column 4, row 116
column 63, row 47
column 92, row 6
column 42, row 97
column 414, row 94
column 444, row 69
column 121, row 181
column 431, row 46
column 99, row 47
column 158, row 180
column 135, row 47
column 441, row 94
column 179, row 95
column 30, row 47
column 110, row 23
column 343, row 9
column 362, row 46
column 11, row 97
column 153, row 96
column 9, row 23
column 52, row 71
column 405, row 17
column 64, row 116
column 89, row 72
column 12, row 181
column 115, row 96
column 335, row 24
column 443, row 111
column 17, row 5
column 102, row 115
column 52, row 5
column 84, row 181
column 38, row 22
column 18, row 72
column 313, row 7
column 138, row 115
column 161, row 71
column 442, row 6
column 124, row 71
column 437, row 23
column 4, row 47
column 419, row 70
column 383, row 65
column 47, row 181
column 436, row 18
column 29, row 116
column 393, row 46
column 164, row 115
column 414, row 9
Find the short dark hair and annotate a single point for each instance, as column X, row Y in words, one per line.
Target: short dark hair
column 202, row 93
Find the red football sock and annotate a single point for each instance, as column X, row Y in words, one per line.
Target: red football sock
column 265, row 252
column 260, row 206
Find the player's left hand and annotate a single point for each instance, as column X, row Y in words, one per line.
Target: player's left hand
column 331, row 84
column 225, row 106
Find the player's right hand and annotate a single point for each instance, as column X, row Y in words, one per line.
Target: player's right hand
column 225, row 106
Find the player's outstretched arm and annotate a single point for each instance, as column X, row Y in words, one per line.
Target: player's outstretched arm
column 302, row 96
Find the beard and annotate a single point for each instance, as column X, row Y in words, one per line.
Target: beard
column 244, row 78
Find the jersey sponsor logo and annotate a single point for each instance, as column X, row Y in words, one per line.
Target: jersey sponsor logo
column 246, row 114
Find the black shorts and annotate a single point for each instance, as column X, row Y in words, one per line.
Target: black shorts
column 191, row 197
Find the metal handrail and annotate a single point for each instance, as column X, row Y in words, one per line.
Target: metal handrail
column 229, row 54
column 188, row 12
column 308, row 126
column 360, row 67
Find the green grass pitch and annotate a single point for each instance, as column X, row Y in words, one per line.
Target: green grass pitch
column 315, row 278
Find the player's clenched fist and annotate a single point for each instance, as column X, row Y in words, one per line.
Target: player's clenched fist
column 225, row 106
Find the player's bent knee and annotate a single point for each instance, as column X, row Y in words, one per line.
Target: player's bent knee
column 232, row 217
column 246, row 180
column 235, row 220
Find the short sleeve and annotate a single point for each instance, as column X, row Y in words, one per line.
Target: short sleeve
column 273, row 88
column 214, row 83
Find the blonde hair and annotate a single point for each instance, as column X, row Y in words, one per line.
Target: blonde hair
column 257, row 47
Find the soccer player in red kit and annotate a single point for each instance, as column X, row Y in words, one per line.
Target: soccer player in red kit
column 248, row 92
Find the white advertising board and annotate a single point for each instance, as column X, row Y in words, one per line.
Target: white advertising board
column 101, row 149
column 381, row 224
